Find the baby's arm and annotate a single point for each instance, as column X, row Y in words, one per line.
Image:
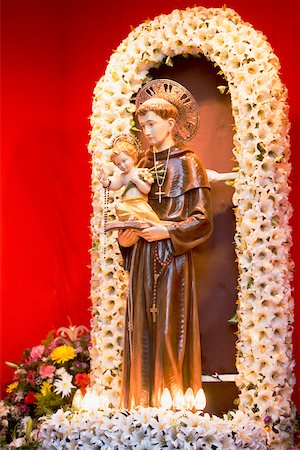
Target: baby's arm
column 114, row 184
column 142, row 185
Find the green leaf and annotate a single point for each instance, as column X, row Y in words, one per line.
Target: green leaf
column 48, row 404
column 31, row 445
column 169, row 62
column 28, row 430
column 131, row 109
column 255, row 409
column 14, row 432
column 261, row 148
column 250, row 284
column 233, row 320
column 130, row 185
column 159, row 170
column 222, row 89
column 50, row 338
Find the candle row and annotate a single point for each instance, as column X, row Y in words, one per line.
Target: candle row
column 93, row 401
column 187, row 401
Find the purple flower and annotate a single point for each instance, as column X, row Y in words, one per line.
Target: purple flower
column 267, row 419
column 22, row 408
column 77, row 365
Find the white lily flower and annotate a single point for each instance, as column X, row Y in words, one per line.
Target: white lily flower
column 64, row 385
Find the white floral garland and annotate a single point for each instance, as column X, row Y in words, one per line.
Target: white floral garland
column 263, row 238
column 150, row 428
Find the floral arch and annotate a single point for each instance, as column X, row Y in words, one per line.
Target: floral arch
column 262, row 239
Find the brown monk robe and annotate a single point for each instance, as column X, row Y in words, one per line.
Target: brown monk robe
column 166, row 353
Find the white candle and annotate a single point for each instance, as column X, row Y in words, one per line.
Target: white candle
column 189, row 399
column 200, row 400
column 166, row 399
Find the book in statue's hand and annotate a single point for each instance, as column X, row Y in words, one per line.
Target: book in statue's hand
column 128, row 224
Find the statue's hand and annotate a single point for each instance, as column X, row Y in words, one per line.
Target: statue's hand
column 155, row 232
column 102, row 178
column 214, row 176
column 135, row 178
column 127, row 238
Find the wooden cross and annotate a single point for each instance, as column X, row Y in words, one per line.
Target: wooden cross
column 153, row 311
column 159, row 193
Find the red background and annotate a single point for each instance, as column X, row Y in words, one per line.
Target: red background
column 53, row 53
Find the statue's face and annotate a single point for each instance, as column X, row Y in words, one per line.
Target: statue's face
column 155, row 128
column 124, row 162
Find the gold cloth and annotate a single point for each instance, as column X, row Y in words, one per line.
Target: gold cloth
column 135, row 206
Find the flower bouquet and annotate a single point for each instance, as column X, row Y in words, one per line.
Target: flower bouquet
column 44, row 381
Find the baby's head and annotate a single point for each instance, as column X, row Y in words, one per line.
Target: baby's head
column 163, row 108
column 125, row 143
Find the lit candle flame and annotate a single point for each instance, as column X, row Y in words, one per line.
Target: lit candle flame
column 104, row 400
column 77, row 400
column 93, row 401
column 178, row 401
column 166, row 399
column 200, row 400
column 189, row 399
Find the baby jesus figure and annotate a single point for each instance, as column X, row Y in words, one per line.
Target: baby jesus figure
column 133, row 209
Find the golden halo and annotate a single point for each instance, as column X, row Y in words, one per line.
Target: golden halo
column 130, row 139
column 187, row 121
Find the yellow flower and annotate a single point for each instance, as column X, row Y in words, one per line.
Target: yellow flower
column 62, row 354
column 12, row 386
column 45, row 388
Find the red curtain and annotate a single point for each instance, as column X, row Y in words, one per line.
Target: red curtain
column 53, row 53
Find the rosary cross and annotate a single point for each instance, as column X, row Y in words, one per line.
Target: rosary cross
column 159, row 193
